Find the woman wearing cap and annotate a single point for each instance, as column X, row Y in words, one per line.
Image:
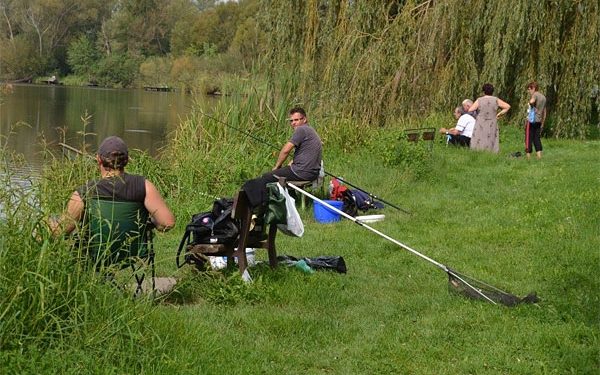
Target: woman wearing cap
column 117, row 185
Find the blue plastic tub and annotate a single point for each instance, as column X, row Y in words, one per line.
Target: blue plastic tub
column 324, row 214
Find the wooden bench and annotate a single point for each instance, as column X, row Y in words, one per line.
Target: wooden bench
column 254, row 235
column 425, row 134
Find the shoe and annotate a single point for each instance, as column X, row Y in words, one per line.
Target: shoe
column 515, row 155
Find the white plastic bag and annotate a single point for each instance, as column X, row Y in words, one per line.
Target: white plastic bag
column 294, row 226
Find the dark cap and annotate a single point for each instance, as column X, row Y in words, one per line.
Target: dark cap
column 112, row 144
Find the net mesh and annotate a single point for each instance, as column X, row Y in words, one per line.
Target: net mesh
column 467, row 286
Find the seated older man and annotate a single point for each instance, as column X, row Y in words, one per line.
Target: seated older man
column 461, row 134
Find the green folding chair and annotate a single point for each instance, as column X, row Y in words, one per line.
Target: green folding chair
column 119, row 235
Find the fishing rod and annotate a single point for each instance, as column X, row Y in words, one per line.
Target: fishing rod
column 77, row 151
column 373, row 196
column 240, row 130
column 69, row 150
column 457, row 282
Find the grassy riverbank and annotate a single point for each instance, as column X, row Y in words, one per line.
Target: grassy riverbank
column 521, row 225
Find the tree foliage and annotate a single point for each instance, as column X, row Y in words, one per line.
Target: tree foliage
column 249, row 41
column 118, row 67
column 370, row 62
column 377, row 60
column 143, row 27
column 45, row 28
column 82, row 56
column 216, row 26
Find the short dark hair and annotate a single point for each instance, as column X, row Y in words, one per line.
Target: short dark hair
column 488, row 89
column 117, row 161
column 299, row 110
column 533, row 85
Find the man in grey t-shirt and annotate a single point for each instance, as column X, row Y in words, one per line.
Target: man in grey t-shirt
column 306, row 161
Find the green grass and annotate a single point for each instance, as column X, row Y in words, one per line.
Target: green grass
column 521, row 225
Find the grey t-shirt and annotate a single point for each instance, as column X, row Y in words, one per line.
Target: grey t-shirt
column 540, row 104
column 307, row 156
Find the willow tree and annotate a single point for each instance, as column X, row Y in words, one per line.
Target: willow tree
column 380, row 59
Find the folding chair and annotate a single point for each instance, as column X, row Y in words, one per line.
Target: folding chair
column 425, row 134
column 119, row 236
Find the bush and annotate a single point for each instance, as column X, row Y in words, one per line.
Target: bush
column 414, row 157
column 117, row 69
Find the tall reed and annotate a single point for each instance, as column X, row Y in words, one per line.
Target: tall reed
column 50, row 299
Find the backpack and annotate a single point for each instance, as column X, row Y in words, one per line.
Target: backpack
column 355, row 200
column 212, row 227
column 336, row 190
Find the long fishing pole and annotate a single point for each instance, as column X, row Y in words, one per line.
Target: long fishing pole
column 373, row 196
column 240, row 130
column 68, row 150
column 79, row 152
column 415, row 252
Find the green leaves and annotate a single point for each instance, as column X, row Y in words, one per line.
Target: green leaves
column 427, row 56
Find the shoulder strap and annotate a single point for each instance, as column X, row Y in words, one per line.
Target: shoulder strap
column 184, row 242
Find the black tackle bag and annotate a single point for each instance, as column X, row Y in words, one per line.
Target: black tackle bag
column 213, row 227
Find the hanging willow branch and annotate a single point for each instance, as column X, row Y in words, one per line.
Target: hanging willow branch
column 422, row 8
column 381, row 59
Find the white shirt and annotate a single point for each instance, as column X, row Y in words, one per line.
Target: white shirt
column 465, row 125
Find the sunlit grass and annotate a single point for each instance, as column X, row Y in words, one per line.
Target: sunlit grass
column 521, row 225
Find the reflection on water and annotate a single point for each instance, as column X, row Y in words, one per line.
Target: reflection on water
column 17, row 190
column 30, row 114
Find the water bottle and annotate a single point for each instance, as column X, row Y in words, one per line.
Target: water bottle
column 301, row 264
column 250, row 256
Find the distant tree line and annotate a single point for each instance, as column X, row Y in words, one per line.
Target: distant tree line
column 369, row 61
column 116, row 42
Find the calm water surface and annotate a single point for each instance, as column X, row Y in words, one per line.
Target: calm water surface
column 30, row 113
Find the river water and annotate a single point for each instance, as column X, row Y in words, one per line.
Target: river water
column 34, row 114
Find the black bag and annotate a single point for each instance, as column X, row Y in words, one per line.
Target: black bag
column 212, row 227
column 324, row 262
column 355, row 200
column 349, row 206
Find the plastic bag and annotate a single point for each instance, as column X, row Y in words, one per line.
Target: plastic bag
column 325, row 262
column 321, row 263
column 531, row 114
column 294, row 226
